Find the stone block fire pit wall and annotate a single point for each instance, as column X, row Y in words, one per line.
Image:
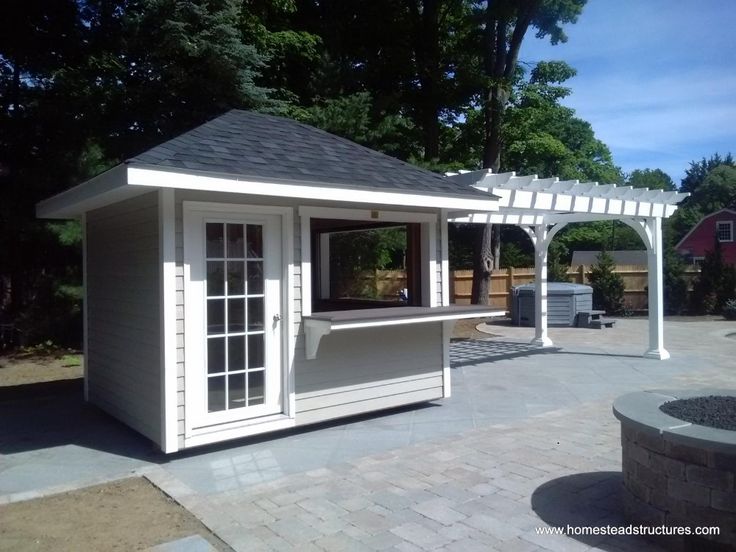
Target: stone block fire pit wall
column 677, row 474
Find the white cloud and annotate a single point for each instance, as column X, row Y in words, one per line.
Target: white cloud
column 656, row 79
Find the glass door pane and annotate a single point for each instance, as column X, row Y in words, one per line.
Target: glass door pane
column 235, row 296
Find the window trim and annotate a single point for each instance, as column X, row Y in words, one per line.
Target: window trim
column 728, row 223
column 429, row 251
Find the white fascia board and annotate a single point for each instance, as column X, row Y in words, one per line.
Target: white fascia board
column 103, row 189
column 166, row 179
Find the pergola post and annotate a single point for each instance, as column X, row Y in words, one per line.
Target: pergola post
column 541, row 339
column 656, row 296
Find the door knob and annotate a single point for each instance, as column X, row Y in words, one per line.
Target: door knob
column 276, row 317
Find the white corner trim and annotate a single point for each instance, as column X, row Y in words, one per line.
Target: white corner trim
column 431, row 262
column 85, row 308
column 305, row 233
column 167, row 312
column 289, row 340
column 445, row 259
column 307, row 190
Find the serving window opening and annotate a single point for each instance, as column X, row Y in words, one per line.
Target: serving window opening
column 365, row 265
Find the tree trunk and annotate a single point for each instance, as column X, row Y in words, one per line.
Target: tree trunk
column 483, row 268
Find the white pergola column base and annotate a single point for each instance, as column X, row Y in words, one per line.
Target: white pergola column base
column 657, row 354
column 542, row 341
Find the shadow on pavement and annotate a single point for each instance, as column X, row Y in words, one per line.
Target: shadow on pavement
column 472, row 351
column 43, row 415
column 588, row 500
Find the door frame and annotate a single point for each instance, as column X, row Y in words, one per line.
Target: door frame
column 195, row 432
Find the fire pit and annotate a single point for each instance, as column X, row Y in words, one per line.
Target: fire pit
column 678, row 473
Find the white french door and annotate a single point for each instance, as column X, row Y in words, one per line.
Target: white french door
column 232, row 316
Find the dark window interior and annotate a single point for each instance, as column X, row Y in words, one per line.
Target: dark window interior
column 365, row 265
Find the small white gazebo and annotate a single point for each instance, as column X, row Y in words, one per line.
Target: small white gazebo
column 543, row 206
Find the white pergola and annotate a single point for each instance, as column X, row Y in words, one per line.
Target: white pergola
column 543, row 206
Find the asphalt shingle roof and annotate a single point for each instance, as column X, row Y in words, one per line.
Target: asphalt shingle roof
column 265, row 147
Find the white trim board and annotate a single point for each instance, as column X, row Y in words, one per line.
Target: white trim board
column 167, row 314
column 306, row 190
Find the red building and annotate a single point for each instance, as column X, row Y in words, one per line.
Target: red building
column 701, row 238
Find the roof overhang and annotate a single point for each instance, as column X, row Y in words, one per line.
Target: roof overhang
column 126, row 181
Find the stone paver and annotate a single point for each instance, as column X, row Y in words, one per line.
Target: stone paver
column 527, row 441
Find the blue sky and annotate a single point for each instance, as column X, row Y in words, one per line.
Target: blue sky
column 656, row 78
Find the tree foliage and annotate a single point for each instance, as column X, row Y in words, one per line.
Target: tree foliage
column 715, row 284
column 654, row 179
column 608, row 287
column 90, row 83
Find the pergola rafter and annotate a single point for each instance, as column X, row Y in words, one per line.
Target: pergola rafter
column 543, row 206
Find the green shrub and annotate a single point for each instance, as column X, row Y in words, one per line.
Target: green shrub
column 715, row 284
column 556, row 266
column 608, row 287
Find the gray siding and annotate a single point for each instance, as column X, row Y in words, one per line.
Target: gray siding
column 123, row 338
column 369, row 369
column 350, row 375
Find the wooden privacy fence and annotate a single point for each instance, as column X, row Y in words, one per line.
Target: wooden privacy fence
column 388, row 283
column 502, row 280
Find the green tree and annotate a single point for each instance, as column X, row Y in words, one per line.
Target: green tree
column 675, row 285
column 505, row 23
column 544, row 137
column 711, row 192
column 181, row 63
column 83, row 86
column 715, row 284
column 557, row 266
column 355, row 118
column 654, row 179
column 718, row 190
column 695, row 175
column 608, row 287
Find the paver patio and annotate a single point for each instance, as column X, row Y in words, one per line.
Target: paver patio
column 527, row 440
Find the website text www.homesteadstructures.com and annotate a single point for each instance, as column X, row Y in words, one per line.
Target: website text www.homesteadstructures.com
column 641, row 530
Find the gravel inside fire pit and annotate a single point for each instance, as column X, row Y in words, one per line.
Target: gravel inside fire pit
column 712, row 411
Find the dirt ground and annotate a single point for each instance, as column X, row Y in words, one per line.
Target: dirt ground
column 130, row 514
column 466, row 329
column 26, row 368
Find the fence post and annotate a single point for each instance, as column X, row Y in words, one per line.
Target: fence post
column 509, row 285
